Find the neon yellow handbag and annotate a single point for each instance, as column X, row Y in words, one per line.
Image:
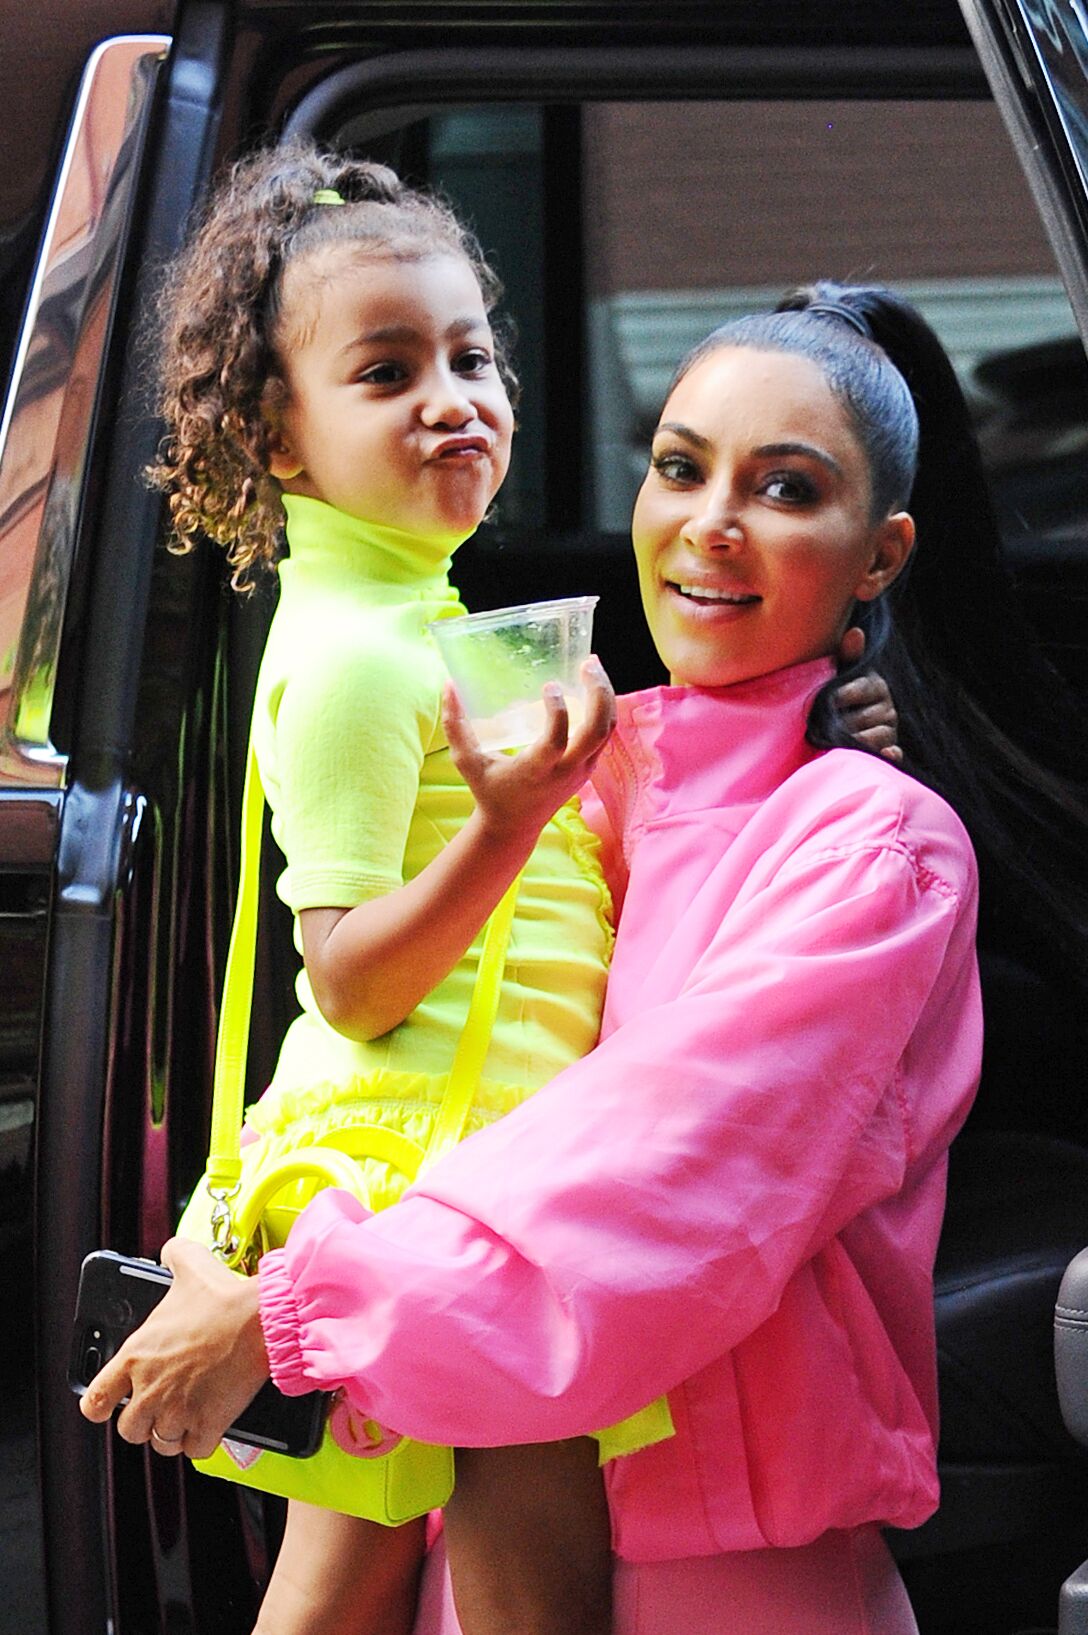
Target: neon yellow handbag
column 381, row 1482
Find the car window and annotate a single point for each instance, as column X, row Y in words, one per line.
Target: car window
column 697, row 212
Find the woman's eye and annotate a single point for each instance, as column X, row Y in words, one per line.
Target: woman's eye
column 789, row 486
column 675, row 468
column 472, row 362
column 383, row 374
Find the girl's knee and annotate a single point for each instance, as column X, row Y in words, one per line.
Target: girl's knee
column 527, row 1533
column 339, row 1575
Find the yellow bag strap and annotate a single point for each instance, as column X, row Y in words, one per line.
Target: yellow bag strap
column 472, row 1047
column 232, row 1043
column 228, row 1085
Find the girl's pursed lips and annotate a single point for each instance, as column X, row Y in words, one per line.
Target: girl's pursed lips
column 451, row 447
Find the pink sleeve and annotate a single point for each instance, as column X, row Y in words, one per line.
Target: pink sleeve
column 642, row 1214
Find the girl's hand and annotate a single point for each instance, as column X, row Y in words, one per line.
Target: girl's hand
column 866, row 704
column 193, row 1366
column 517, row 794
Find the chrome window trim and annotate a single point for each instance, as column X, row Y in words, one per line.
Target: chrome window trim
column 49, row 416
column 1027, row 53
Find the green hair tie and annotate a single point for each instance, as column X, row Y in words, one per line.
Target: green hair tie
column 327, row 195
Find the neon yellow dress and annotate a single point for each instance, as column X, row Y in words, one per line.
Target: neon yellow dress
column 364, row 794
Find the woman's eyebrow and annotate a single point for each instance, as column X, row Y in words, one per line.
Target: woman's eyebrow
column 679, row 430
column 774, row 451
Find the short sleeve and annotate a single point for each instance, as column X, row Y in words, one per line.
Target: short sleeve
column 341, row 766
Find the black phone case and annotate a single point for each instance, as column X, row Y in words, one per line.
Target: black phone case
column 117, row 1292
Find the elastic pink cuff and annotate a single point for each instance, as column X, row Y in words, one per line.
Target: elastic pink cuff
column 281, row 1323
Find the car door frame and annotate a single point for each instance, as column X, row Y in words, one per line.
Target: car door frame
column 99, row 827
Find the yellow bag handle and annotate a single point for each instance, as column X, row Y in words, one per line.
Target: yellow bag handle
column 334, row 1158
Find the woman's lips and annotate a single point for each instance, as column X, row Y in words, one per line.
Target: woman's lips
column 717, row 601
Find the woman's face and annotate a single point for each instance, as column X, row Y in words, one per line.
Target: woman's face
column 752, row 529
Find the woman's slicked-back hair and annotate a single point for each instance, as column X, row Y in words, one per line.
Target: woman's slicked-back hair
column 859, row 373
column 220, row 330
column 983, row 717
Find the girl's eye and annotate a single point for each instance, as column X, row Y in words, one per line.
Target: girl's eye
column 792, row 487
column 472, row 362
column 383, row 374
column 675, row 467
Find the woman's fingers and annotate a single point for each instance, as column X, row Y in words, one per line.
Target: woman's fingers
column 191, row 1368
column 109, row 1387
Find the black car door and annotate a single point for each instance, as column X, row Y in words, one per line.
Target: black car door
column 77, row 527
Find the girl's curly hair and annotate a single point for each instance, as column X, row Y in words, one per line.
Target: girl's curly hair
column 221, row 369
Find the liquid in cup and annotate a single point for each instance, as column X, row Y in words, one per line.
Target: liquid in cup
column 500, row 661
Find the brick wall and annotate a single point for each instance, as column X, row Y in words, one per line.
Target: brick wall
column 698, row 195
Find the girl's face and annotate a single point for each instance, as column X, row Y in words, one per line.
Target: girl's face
column 395, row 410
column 752, row 529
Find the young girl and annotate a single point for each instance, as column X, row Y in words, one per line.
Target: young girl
column 330, row 356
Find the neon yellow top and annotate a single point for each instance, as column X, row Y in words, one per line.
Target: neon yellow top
column 364, row 794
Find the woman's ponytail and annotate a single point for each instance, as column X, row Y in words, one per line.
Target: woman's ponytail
column 983, row 716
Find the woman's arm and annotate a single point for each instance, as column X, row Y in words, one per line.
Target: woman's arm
column 643, row 1213
column 369, row 966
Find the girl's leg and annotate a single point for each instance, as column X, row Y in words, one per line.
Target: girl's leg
column 528, row 1538
column 337, row 1575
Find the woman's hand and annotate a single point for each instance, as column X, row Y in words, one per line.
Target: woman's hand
column 193, row 1366
column 517, row 794
column 866, row 704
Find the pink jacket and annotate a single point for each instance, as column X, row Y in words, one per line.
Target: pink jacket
column 736, row 1198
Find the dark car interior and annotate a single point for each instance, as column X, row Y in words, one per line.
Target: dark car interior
column 635, row 185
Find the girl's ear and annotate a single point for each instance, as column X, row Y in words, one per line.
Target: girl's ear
column 893, row 541
column 283, row 463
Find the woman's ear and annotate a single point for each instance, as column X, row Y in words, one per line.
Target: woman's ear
column 893, row 541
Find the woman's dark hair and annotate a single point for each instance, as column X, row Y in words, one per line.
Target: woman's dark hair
column 861, row 376
column 983, row 717
column 221, row 340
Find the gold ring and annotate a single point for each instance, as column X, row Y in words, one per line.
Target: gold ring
column 167, row 1441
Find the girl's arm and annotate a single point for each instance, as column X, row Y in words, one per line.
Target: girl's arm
column 866, row 704
column 369, row 966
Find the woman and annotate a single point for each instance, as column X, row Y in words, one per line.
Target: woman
column 736, row 1198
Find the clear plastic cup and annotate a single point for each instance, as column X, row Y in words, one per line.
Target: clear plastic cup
column 500, row 661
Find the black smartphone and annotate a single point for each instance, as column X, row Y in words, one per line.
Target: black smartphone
column 117, row 1292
